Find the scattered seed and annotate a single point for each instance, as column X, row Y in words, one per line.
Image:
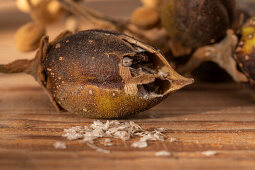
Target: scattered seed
column 112, row 129
column 59, row 145
column 209, row 153
column 173, row 139
column 163, row 153
column 140, row 144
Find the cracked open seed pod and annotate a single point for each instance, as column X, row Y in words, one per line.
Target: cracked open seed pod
column 194, row 23
column 101, row 74
column 245, row 51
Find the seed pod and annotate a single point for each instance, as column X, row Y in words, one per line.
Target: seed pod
column 43, row 11
column 28, row 37
column 46, row 12
column 24, row 6
column 101, row 74
column 152, row 3
column 145, row 17
column 194, row 23
column 245, row 51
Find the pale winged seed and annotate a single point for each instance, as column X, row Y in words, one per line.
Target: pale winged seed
column 59, row 145
column 108, row 142
column 93, row 146
column 140, row 144
column 173, row 139
column 163, row 153
column 209, row 153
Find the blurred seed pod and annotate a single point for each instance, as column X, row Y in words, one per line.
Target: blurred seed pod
column 43, row 11
column 28, row 37
column 146, row 17
column 152, row 3
column 46, row 12
column 195, row 23
column 24, row 6
column 245, row 51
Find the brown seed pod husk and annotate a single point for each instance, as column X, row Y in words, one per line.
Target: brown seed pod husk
column 196, row 23
column 101, row 74
column 145, row 17
column 27, row 37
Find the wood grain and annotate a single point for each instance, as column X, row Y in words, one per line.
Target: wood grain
column 219, row 117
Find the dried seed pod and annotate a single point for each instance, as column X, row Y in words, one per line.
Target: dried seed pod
column 152, row 3
column 47, row 11
column 145, row 17
column 28, row 37
column 245, row 51
column 196, row 23
column 43, row 11
column 101, row 74
column 24, row 6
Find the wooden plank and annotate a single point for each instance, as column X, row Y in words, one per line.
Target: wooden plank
column 219, row 117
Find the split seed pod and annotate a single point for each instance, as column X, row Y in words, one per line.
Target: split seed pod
column 245, row 52
column 195, row 23
column 101, row 74
column 27, row 37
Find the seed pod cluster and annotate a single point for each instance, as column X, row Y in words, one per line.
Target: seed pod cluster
column 245, row 51
column 101, row 74
column 195, row 23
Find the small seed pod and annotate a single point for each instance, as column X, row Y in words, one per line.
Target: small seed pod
column 42, row 11
column 152, row 3
column 146, row 17
column 24, row 6
column 46, row 12
column 101, row 74
column 28, row 37
column 245, row 51
column 195, row 23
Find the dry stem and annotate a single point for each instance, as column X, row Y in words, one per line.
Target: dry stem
column 99, row 19
column 17, row 66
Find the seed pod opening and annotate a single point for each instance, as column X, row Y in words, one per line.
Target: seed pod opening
column 104, row 74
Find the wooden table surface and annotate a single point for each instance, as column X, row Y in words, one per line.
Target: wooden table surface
column 217, row 117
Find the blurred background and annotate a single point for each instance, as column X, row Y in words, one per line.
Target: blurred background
column 11, row 18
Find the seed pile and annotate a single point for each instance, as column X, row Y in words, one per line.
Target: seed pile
column 113, row 129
